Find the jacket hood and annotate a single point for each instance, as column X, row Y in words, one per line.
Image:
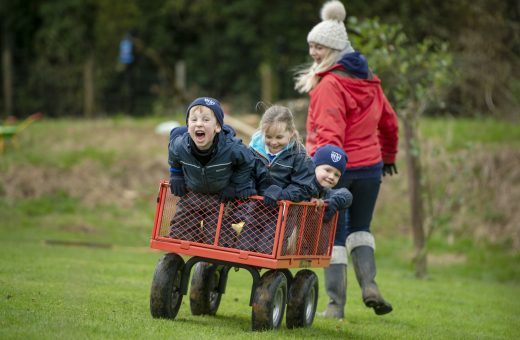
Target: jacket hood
column 178, row 131
column 228, row 130
column 356, row 64
column 257, row 143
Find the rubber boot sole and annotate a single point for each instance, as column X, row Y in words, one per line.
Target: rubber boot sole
column 380, row 308
column 373, row 299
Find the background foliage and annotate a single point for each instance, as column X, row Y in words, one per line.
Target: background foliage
column 227, row 45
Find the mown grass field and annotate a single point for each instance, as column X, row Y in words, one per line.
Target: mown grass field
column 95, row 182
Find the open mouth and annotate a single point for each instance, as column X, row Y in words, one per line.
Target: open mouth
column 200, row 135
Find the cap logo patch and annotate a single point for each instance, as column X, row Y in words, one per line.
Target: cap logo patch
column 209, row 101
column 336, row 157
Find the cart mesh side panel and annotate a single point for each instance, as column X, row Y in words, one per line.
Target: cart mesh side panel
column 294, row 225
column 326, row 237
column 304, row 232
column 168, row 213
column 289, row 230
column 249, row 225
column 194, row 217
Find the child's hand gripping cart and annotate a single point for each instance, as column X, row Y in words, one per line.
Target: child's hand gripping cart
column 240, row 234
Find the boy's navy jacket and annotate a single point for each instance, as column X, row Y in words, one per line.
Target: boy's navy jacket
column 341, row 196
column 231, row 163
column 292, row 170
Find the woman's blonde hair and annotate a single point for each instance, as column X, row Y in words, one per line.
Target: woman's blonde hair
column 278, row 114
column 306, row 78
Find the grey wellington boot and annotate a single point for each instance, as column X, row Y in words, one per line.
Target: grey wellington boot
column 365, row 268
column 336, row 288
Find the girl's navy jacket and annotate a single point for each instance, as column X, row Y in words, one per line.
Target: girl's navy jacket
column 292, row 170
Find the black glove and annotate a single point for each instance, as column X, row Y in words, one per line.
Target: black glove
column 246, row 193
column 227, row 194
column 284, row 195
column 177, row 185
column 389, row 169
column 330, row 210
column 272, row 194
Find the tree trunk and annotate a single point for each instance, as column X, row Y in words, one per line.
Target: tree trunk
column 415, row 188
column 7, row 67
column 266, row 79
column 180, row 76
column 88, row 86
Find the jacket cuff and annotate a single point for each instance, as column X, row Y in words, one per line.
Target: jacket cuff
column 175, row 171
column 388, row 158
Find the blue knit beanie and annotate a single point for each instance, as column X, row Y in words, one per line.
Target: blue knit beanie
column 210, row 103
column 331, row 155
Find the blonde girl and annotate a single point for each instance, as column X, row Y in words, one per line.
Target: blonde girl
column 283, row 171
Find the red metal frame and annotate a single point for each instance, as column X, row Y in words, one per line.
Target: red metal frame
column 275, row 260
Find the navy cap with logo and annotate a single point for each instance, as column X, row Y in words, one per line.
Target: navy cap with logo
column 331, row 155
column 210, row 103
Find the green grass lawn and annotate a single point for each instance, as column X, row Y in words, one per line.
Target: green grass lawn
column 105, row 196
column 461, row 133
column 51, row 291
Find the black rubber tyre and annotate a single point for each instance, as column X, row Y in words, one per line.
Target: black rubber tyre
column 165, row 295
column 269, row 301
column 288, row 276
column 204, row 291
column 303, row 299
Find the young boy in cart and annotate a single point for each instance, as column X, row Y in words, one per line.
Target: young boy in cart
column 206, row 160
column 331, row 162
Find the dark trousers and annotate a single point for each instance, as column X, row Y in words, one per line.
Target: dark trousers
column 359, row 216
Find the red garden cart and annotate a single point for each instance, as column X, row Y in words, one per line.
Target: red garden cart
column 215, row 237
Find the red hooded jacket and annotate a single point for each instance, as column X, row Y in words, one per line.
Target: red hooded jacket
column 353, row 114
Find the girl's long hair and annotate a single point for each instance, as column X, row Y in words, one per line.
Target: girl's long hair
column 306, row 77
column 278, row 114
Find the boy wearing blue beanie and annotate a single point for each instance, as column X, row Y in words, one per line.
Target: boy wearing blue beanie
column 206, row 159
column 331, row 162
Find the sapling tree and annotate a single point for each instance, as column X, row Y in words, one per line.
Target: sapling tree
column 414, row 76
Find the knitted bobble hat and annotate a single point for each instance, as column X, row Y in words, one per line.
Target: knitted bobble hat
column 331, row 32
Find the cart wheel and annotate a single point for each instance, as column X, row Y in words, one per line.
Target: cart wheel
column 269, row 301
column 303, row 299
column 165, row 295
column 205, row 294
column 288, row 276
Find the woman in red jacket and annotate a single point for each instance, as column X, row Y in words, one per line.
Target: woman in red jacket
column 349, row 109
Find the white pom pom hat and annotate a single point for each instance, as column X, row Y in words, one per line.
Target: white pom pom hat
column 331, row 32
